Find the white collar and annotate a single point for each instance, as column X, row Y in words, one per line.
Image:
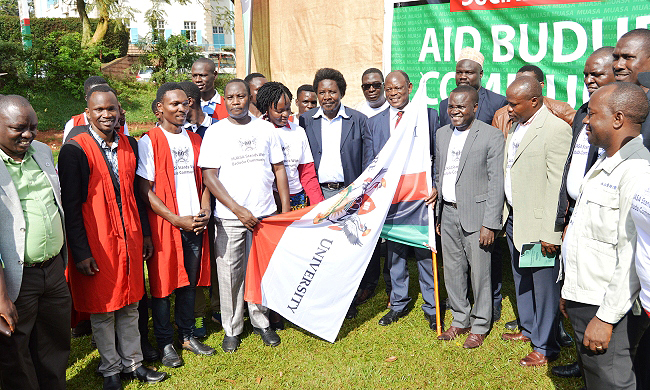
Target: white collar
column 341, row 113
column 394, row 111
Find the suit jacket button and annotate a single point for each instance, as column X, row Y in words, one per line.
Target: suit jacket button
column 319, row 152
column 22, row 230
column 21, row 262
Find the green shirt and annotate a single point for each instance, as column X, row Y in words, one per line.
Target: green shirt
column 44, row 228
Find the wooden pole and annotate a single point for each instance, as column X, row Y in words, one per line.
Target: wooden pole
column 435, row 286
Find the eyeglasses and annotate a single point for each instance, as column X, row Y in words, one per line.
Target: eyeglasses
column 375, row 85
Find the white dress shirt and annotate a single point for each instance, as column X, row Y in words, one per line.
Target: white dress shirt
column 393, row 117
column 330, row 169
column 517, row 136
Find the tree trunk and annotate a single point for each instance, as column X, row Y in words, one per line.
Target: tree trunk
column 102, row 26
column 85, row 22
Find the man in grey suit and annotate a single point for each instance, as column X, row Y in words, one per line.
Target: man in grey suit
column 398, row 87
column 469, row 178
column 34, row 297
column 537, row 148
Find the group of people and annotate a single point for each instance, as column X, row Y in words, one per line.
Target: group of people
column 569, row 190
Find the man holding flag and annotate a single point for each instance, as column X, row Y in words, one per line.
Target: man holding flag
column 380, row 127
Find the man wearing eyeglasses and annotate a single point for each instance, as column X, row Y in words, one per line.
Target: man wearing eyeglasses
column 372, row 85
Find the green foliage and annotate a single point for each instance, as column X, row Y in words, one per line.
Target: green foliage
column 116, row 38
column 170, row 58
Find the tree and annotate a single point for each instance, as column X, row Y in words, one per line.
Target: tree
column 106, row 9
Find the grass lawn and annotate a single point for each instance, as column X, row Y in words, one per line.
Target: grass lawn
column 358, row 359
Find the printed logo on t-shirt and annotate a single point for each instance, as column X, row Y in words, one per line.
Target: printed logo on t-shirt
column 181, row 155
column 248, row 144
column 452, row 165
column 182, row 163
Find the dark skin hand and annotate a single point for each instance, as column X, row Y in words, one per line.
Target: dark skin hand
column 7, row 308
column 431, row 199
column 486, row 237
column 548, row 249
column 597, row 335
column 147, row 248
column 87, row 267
column 563, row 308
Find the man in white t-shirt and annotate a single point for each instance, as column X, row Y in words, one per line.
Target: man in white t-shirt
column 469, row 176
column 372, row 85
column 242, row 159
column 179, row 212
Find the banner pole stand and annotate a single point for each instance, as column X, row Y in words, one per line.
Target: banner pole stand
column 434, row 264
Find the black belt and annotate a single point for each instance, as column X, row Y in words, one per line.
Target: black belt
column 42, row 264
column 452, row 204
column 333, row 186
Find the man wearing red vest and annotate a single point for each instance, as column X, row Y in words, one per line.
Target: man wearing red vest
column 171, row 183
column 97, row 171
column 203, row 75
column 81, row 119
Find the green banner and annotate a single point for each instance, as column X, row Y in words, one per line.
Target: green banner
column 558, row 38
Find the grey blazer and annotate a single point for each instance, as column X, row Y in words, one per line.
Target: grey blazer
column 12, row 220
column 479, row 183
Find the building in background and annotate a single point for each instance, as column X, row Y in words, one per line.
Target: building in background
column 200, row 20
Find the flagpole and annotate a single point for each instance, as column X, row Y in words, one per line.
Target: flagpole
column 434, row 264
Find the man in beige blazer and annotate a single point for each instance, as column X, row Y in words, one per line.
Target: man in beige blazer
column 34, row 297
column 536, row 149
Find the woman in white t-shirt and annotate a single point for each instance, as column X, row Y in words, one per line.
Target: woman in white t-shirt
column 274, row 102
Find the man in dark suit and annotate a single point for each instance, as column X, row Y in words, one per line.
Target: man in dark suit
column 336, row 135
column 469, row 71
column 598, row 72
column 34, row 297
column 469, row 177
column 397, row 87
column 631, row 57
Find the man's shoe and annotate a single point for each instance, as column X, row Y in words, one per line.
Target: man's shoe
column 363, row 296
column 83, row 328
column 268, row 335
column 512, row 325
column 149, row 353
column 474, row 341
column 352, row 312
column 563, row 338
column 391, row 316
column 515, row 337
column 146, row 375
column 199, row 330
column 113, row 382
column 569, row 371
column 230, row 343
column 496, row 313
column 535, row 359
column 170, row 357
column 193, row 345
column 452, row 333
column 431, row 318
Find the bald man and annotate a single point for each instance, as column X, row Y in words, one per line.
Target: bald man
column 203, row 74
column 601, row 285
column 631, row 57
column 536, row 150
column 598, row 72
column 34, row 296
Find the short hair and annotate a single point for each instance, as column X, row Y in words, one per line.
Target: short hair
column 93, row 81
column 605, row 51
column 373, row 70
column 269, row 95
column 192, row 91
column 642, row 33
column 253, row 76
column 539, row 75
column 154, row 106
column 13, row 100
column 529, row 84
column 207, row 61
column 100, row 88
column 630, row 99
column 330, row 74
column 166, row 87
column 470, row 91
column 248, row 88
column 406, row 76
column 305, row 88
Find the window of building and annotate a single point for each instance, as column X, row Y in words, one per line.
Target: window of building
column 217, row 30
column 160, row 28
column 190, row 31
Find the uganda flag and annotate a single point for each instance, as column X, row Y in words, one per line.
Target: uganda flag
column 307, row 264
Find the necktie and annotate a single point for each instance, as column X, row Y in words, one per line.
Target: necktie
column 399, row 117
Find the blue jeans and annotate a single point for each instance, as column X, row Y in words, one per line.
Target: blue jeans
column 184, row 301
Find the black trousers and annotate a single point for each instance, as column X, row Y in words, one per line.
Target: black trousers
column 36, row 354
column 612, row 369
